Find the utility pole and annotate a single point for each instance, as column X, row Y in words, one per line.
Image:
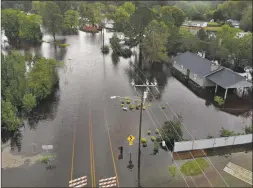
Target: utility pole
column 143, row 96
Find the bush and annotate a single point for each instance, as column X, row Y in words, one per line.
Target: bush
column 194, row 167
column 126, row 52
column 226, row 133
column 248, row 129
column 218, row 100
column 158, row 139
column 143, row 140
column 157, row 131
column 213, row 24
column 121, row 105
column 149, row 133
column 131, row 106
column 172, row 170
column 153, row 138
column 149, row 105
column 105, row 50
column 122, row 102
column 137, row 107
column 163, row 107
column 128, row 101
column 156, row 147
column 143, row 108
column 144, row 145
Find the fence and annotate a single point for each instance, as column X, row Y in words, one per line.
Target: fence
column 212, row 143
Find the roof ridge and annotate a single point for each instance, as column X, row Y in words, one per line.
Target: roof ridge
column 215, row 71
column 199, row 56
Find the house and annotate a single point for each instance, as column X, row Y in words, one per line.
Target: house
column 190, row 23
column 209, row 74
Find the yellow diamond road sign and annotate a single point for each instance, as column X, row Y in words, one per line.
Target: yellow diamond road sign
column 130, row 138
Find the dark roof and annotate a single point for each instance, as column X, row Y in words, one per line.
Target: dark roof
column 227, row 78
column 194, row 63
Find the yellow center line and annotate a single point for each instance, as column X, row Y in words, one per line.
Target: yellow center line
column 73, row 153
column 113, row 160
column 92, row 162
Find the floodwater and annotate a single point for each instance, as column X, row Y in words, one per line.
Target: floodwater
column 87, row 81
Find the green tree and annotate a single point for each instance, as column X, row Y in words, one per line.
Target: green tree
column 153, row 45
column 9, row 116
column 52, row 17
column 171, row 132
column 10, row 23
column 246, row 21
column 30, row 28
column 70, row 22
column 64, row 6
column 29, row 102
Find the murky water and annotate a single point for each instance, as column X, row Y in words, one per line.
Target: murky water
column 86, row 83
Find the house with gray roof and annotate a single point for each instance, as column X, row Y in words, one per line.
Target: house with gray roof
column 207, row 73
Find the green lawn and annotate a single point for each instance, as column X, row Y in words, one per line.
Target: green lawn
column 193, row 168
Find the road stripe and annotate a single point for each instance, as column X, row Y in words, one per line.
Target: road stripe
column 112, row 178
column 82, row 185
column 243, row 171
column 73, row 152
column 108, row 182
column 93, row 175
column 113, row 185
column 114, row 164
column 79, row 182
column 238, row 174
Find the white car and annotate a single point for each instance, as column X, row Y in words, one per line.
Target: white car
column 124, row 108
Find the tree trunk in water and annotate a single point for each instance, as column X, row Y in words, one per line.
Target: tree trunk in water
column 54, row 36
column 103, row 37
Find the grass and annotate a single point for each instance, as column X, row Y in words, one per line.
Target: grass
column 62, row 45
column 194, row 167
column 153, row 138
column 149, row 105
column 172, row 170
column 212, row 28
column 46, row 159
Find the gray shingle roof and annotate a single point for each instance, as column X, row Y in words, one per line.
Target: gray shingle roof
column 227, row 78
column 194, row 63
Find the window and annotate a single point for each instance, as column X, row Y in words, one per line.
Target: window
column 194, row 76
column 182, row 67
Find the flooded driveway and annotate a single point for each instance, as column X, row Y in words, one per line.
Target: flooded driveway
column 81, row 111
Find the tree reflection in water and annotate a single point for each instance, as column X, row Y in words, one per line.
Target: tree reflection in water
column 158, row 72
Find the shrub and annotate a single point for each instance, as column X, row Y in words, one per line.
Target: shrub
column 121, row 105
column 157, row 131
column 209, row 136
column 156, row 147
column 144, row 108
column 131, row 106
column 226, row 133
column 137, row 107
column 158, row 139
column 213, row 24
column 105, row 49
column 126, row 52
column 153, row 138
column 163, row 107
column 194, row 167
column 149, row 133
column 128, row 101
column 248, row 129
column 46, row 159
column 219, row 100
column 122, row 102
column 143, row 140
column 144, row 145
column 149, row 105
column 172, row 170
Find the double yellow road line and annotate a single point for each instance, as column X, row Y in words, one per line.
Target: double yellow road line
column 92, row 162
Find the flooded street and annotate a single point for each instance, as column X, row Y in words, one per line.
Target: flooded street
column 87, row 81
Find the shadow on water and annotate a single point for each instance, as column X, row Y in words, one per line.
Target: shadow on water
column 155, row 72
column 46, row 110
column 115, row 59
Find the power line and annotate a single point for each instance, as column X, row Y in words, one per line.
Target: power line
column 191, row 135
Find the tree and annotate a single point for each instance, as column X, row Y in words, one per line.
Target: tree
column 156, row 35
column 64, row 6
column 30, row 28
column 29, row 102
column 246, row 21
column 52, row 17
column 70, row 22
column 9, row 116
column 171, row 132
column 10, row 24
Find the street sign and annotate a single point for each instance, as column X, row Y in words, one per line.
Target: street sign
column 130, row 138
column 46, row 147
column 131, row 143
